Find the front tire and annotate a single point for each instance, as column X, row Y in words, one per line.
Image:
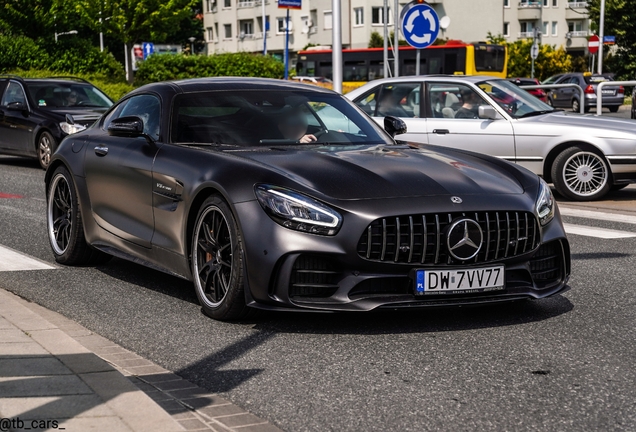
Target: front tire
column 46, row 147
column 64, row 223
column 581, row 174
column 217, row 261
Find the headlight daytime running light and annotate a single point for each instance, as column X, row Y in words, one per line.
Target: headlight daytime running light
column 545, row 203
column 298, row 212
column 70, row 129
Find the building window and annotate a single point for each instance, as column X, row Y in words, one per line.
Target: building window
column 377, row 15
column 554, row 28
column 575, row 26
column 506, row 29
column 227, row 3
column 328, row 20
column 546, row 30
column 546, row 3
column 246, row 28
column 358, row 16
column 555, row 3
column 526, row 28
column 210, row 5
column 507, row 3
column 280, row 25
column 227, row 28
column 216, row 31
column 210, row 34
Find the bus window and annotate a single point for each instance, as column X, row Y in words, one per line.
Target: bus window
column 376, row 70
column 355, row 71
column 326, row 70
column 489, row 58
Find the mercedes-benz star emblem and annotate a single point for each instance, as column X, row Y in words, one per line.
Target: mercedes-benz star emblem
column 456, row 200
column 464, row 239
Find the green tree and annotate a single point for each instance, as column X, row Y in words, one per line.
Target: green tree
column 620, row 21
column 376, row 40
column 134, row 21
column 550, row 60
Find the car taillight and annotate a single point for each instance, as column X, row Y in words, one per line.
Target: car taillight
column 621, row 89
column 589, row 89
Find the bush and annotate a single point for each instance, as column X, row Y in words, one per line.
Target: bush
column 173, row 67
column 21, row 52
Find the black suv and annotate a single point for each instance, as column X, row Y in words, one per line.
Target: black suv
column 36, row 113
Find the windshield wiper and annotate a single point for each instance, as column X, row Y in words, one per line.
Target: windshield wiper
column 536, row 113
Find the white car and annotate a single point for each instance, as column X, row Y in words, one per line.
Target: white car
column 585, row 156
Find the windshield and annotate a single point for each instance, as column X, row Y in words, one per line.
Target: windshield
column 516, row 101
column 71, row 94
column 253, row 118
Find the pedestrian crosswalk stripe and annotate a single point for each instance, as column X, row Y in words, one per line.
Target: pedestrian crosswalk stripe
column 11, row 260
column 590, row 214
column 596, row 232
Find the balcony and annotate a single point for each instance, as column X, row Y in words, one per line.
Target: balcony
column 529, row 11
column 577, row 34
column 525, row 35
column 245, row 4
column 577, row 4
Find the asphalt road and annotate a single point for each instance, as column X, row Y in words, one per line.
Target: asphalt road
column 564, row 363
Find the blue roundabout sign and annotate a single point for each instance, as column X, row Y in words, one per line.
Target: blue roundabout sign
column 420, row 24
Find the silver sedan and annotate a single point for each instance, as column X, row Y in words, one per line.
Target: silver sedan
column 584, row 156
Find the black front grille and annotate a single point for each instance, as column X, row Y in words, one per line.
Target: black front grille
column 313, row 276
column 421, row 239
column 546, row 265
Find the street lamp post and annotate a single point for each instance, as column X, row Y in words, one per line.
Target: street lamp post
column 64, row 33
column 192, row 39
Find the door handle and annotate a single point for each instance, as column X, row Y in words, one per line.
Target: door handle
column 441, row 131
column 101, row 150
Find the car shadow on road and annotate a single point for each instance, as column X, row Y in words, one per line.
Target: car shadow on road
column 423, row 320
column 20, row 162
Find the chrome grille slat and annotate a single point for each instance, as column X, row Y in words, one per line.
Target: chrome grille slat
column 381, row 236
column 438, row 237
column 412, row 238
column 398, row 239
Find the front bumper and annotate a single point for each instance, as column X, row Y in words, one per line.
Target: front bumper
column 292, row 270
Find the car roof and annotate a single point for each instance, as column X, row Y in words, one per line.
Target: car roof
column 451, row 78
column 229, row 83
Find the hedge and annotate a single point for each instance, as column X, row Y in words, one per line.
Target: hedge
column 173, row 67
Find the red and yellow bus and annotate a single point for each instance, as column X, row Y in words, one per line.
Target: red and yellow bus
column 365, row 64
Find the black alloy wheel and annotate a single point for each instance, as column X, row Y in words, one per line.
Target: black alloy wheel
column 217, row 261
column 64, row 223
column 46, row 147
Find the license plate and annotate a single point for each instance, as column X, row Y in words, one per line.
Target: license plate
column 458, row 281
column 609, row 92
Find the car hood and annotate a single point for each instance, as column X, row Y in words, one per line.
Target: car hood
column 602, row 125
column 372, row 172
column 82, row 116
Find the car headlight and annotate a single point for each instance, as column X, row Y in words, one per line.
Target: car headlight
column 296, row 211
column 545, row 203
column 70, row 129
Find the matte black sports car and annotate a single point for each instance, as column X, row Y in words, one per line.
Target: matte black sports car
column 37, row 113
column 278, row 195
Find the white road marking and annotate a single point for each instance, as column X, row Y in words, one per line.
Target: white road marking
column 11, row 260
column 596, row 232
column 590, row 214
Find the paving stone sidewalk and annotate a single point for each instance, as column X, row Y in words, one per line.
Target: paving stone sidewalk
column 56, row 374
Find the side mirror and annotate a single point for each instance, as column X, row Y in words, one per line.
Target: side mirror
column 16, row 106
column 394, row 126
column 131, row 127
column 487, row 112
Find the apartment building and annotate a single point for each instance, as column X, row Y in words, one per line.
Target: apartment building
column 237, row 25
column 559, row 22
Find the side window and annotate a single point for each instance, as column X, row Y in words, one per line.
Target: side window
column 367, row 102
column 13, row 93
column 454, row 101
column 146, row 107
column 399, row 100
column 113, row 114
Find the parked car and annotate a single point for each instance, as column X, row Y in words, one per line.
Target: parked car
column 552, row 79
column 212, row 180
column 37, row 113
column 613, row 96
column 538, row 93
column 584, row 156
column 312, row 79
